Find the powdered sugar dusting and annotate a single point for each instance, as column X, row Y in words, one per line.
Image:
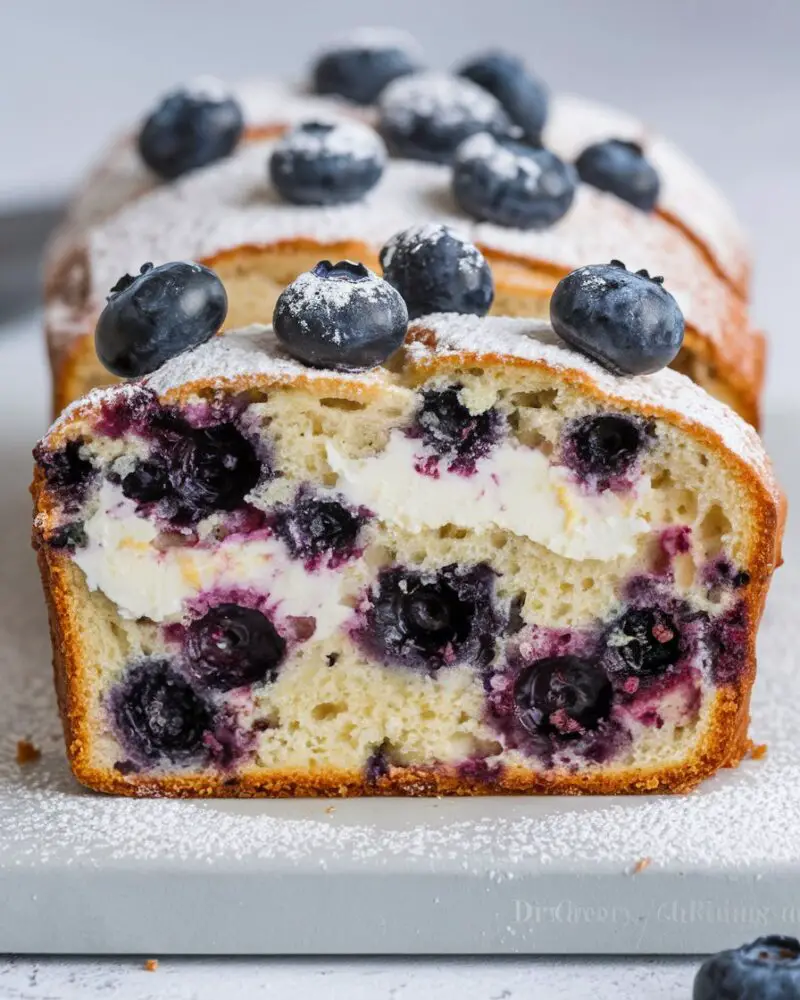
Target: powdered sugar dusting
column 503, row 162
column 231, row 204
column 686, row 193
column 341, row 139
column 441, row 97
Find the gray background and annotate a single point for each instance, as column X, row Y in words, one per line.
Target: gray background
column 720, row 77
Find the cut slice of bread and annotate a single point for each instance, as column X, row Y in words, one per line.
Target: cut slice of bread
column 490, row 567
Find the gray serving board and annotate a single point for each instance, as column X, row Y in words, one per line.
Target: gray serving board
column 82, row 873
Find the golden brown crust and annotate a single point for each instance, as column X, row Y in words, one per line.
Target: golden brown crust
column 733, row 371
column 725, row 741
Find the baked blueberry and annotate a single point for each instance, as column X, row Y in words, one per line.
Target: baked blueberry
column 340, row 316
column 360, row 66
column 511, row 184
column 158, row 716
column 157, row 315
column 426, row 116
column 621, row 168
column 767, row 969
column 605, row 447
column 436, row 270
column 212, row 469
column 232, row 647
column 320, row 163
column 523, row 96
column 626, row 322
column 431, row 620
column 148, row 482
column 446, row 425
column 67, row 472
column 644, row 642
column 189, row 129
column 562, row 696
column 318, row 525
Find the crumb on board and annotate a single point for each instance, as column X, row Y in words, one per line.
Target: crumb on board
column 27, row 752
column 758, row 751
column 151, row 964
column 330, row 810
column 640, row 865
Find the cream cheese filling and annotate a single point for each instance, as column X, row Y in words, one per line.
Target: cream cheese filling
column 515, row 489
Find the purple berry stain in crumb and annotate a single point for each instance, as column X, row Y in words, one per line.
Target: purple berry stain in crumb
column 456, row 436
column 320, row 528
column 230, row 743
column 67, row 471
column 378, row 763
column 481, row 771
column 429, row 620
column 729, row 642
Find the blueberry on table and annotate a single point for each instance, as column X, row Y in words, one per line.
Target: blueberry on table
column 620, row 167
column 511, row 184
column 340, row 316
column 523, row 96
column 436, row 270
column 158, row 716
column 319, row 163
column 767, row 969
column 426, row 116
column 360, row 66
column 232, row 646
column 158, row 314
column 626, row 322
column 189, row 129
column 563, row 696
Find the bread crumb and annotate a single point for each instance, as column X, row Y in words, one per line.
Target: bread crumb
column 27, row 752
column 758, row 751
column 330, row 810
column 640, row 865
column 151, row 965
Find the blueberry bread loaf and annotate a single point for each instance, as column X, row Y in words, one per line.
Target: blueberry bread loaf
column 276, row 566
column 261, row 211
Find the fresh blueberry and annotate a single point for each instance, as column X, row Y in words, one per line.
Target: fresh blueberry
column 157, row 315
column 326, row 164
column 506, row 77
column 644, row 642
column 67, row 472
column 232, row 647
column 430, row 620
column 446, row 425
column 626, row 322
column 426, row 116
column 189, row 129
column 767, row 969
column 158, row 716
column 621, row 168
column 318, row 525
column 562, row 696
column 605, row 447
column 212, row 469
column 340, row 316
column 436, row 270
column 510, row 184
column 360, row 66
